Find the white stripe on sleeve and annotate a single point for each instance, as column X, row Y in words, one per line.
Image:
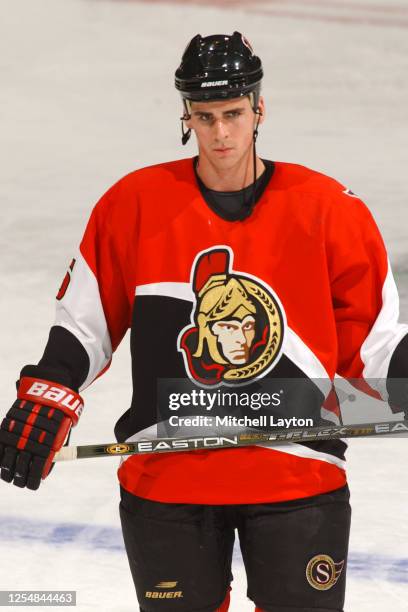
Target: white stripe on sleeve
column 80, row 311
column 383, row 339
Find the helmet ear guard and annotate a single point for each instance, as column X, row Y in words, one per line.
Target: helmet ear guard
column 185, row 134
column 259, row 113
column 254, row 100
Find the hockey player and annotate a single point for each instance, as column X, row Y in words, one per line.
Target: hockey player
column 226, row 267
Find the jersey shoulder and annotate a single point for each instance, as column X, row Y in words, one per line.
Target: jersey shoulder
column 160, row 174
column 145, row 184
column 301, row 178
column 318, row 189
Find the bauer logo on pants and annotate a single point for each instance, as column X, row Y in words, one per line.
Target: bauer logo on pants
column 164, row 594
column 322, row 572
column 237, row 323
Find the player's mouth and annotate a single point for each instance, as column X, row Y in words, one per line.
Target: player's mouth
column 223, row 150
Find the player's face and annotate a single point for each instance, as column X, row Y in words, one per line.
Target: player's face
column 224, row 129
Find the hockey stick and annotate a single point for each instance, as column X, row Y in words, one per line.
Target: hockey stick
column 251, row 437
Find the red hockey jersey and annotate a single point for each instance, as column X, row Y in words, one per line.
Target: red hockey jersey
column 310, row 255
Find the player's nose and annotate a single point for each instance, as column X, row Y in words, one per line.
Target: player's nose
column 220, row 129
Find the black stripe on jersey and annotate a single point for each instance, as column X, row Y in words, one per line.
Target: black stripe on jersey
column 337, row 448
column 156, row 323
column 64, row 359
column 397, row 379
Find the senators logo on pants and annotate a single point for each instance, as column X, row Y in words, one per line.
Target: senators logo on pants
column 322, row 572
column 237, row 326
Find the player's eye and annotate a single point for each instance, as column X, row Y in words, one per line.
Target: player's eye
column 204, row 118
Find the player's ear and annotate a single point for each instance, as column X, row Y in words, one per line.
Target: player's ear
column 261, row 109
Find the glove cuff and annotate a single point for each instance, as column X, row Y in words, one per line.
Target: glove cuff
column 51, row 394
column 58, row 375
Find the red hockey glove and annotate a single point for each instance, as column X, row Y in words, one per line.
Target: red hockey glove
column 35, row 428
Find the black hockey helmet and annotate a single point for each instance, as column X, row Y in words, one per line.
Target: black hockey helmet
column 219, row 67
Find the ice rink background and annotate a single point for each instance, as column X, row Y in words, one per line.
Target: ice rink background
column 86, row 96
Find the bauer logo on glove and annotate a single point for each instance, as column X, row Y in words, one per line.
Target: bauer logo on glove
column 49, row 394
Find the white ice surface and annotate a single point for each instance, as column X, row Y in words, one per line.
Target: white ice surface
column 86, row 96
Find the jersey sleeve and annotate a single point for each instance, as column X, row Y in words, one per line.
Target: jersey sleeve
column 372, row 343
column 93, row 306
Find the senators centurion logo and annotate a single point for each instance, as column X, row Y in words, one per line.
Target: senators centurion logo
column 322, row 572
column 237, row 323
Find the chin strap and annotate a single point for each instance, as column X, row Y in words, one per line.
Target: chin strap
column 250, row 206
